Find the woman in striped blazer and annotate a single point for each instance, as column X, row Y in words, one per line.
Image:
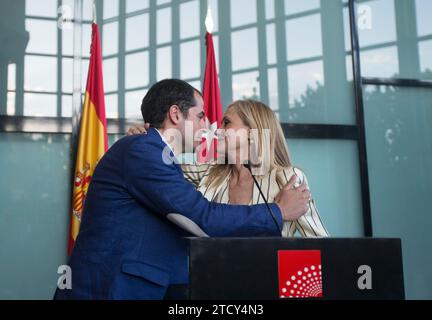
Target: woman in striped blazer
column 227, row 180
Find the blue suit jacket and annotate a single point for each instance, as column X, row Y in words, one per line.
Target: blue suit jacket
column 127, row 248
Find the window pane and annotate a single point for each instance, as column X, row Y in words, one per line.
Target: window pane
column 244, row 49
column 270, row 9
column 110, row 8
column 399, row 143
column 381, row 63
column 133, row 104
column 163, row 25
column 243, row 12
column 271, row 43
column 349, row 67
column 214, row 12
column 66, row 106
column 423, row 10
column 295, row 6
column 347, row 31
column 110, row 38
column 164, row 63
column 84, row 74
column 303, row 37
column 273, row 89
column 88, row 10
column 43, row 36
column 67, row 75
column 10, row 103
column 159, row 2
column 135, row 5
column 315, row 99
column 67, row 41
column 189, row 19
column 45, row 8
column 246, row 86
column 86, row 39
column 382, row 26
column 40, row 73
column 190, row 60
column 216, row 49
column 110, row 74
column 196, row 84
column 425, row 48
column 305, row 92
column 338, row 202
column 111, row 106
column 11, row 76
column 137, row 70
column 137, row 32
column 40, row 105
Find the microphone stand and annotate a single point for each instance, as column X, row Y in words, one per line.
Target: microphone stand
column 248, row 166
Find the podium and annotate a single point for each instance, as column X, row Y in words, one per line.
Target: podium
column 287, row 268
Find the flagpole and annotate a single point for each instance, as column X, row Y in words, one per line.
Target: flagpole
column 209, row 20
column 211, row 95
column 76, row 98
column 92, row 136
column 94, row 11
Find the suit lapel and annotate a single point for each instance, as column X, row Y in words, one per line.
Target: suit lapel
column 166, row 152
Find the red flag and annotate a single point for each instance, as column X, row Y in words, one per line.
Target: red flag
column 93, row 139
column 300, row 274
column 212, row 103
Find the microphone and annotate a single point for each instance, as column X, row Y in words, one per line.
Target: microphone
column 248, row 166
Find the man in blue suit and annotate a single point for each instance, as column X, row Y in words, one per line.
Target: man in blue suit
column 139, row 208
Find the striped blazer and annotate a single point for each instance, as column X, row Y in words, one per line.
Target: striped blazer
column 308, row 225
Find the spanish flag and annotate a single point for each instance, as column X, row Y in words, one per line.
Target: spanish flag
column 93, row 139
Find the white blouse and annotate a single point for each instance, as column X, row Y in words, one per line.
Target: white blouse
column 309, row 225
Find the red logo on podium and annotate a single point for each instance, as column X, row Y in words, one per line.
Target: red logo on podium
column 300, row 274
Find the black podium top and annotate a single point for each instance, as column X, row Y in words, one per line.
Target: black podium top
column 277, row 268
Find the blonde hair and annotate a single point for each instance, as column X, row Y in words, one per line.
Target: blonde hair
column 257, row 115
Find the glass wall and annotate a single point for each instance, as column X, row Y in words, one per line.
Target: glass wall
column 399, row 138
column 402, row 47
column 264, row 55
column 264, row 52
column 334, row 182
column 147, row 41
column 395, row 39
column 37, row 61
column 34, row 206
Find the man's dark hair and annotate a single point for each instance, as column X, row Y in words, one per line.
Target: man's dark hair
column 162, row 95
